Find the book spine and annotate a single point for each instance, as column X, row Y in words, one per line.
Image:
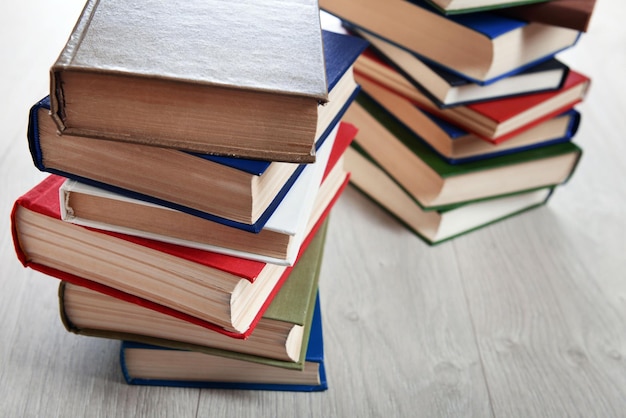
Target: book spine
column 33, row 132
column 65, row 59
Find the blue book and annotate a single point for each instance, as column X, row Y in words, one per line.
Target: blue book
column 446, row 89
column 152, row 365
column 240, row 193
column 457, row 146
column 482, row 47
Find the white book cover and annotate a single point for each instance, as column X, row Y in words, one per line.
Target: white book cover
column 290, row 217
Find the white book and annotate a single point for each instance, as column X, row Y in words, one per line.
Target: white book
column 296, row 214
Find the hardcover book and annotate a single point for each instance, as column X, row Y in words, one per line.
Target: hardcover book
column 497, row 120
column 164, row 74
column 224, row 293
column 437, row 185
column 470, row 6
column 476, row 46
column 152, row 365
column 279, row 338
column 314, row 192
column 446, row 89
column 457, row 145
column 573, row 14
column 434, row 227
column 240, row 193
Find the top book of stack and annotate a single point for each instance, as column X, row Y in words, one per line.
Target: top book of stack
column 250, row 73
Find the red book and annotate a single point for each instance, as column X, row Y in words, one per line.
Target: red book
column 199, row 286
column 219, row 292
column 494, row 120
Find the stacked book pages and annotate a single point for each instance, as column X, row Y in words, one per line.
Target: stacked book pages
column 195, row 151
column 466, row 114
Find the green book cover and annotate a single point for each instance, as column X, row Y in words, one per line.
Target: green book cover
column 434, row 227
column 294, row 304
column 445, row 171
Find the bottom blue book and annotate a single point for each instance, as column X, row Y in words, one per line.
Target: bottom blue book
column 144, row 364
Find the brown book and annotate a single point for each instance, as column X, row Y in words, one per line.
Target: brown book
column 166, row 74
column 572, row 14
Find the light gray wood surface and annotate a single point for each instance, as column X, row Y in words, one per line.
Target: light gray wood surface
column 525, row 318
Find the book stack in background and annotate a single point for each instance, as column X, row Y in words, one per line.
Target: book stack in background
column 195, row 157
column 466, row 114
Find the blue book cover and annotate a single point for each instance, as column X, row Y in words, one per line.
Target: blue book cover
column 421, row 73
column 492, row 26
column 314, row 355
column 340, row 53
column 455, row 133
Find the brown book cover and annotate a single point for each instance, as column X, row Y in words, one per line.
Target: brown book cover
column 572, row 14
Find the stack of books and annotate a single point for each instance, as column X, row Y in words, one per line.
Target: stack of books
column 195, row 152
column 466, row 116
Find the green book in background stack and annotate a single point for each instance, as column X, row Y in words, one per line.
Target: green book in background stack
column 434, row 226
column 437, row 185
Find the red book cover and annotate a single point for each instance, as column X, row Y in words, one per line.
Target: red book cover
column 504, row 109
column 44, row 199
column 344, row 137
column 489, row 119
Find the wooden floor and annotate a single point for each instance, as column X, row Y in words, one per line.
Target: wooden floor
column 526, row 318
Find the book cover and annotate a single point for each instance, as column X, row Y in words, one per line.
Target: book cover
column 169, row 278
column 434, row 227
column 153, row 177
column 498, row 120
column 573, row 14
column 257, row 81
column 151, row 365
column 458, row 7
column 280, row 337
column 278, row 242
column 561, row 128
column 446, row 89
column 441, row 185
column 475, row 46
column 457, row 145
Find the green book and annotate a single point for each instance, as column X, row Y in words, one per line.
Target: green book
column 437, row 185
column 434, row 227
column 279, row 339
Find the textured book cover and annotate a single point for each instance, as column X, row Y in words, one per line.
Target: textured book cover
column 226, row 58
column 340, row 52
